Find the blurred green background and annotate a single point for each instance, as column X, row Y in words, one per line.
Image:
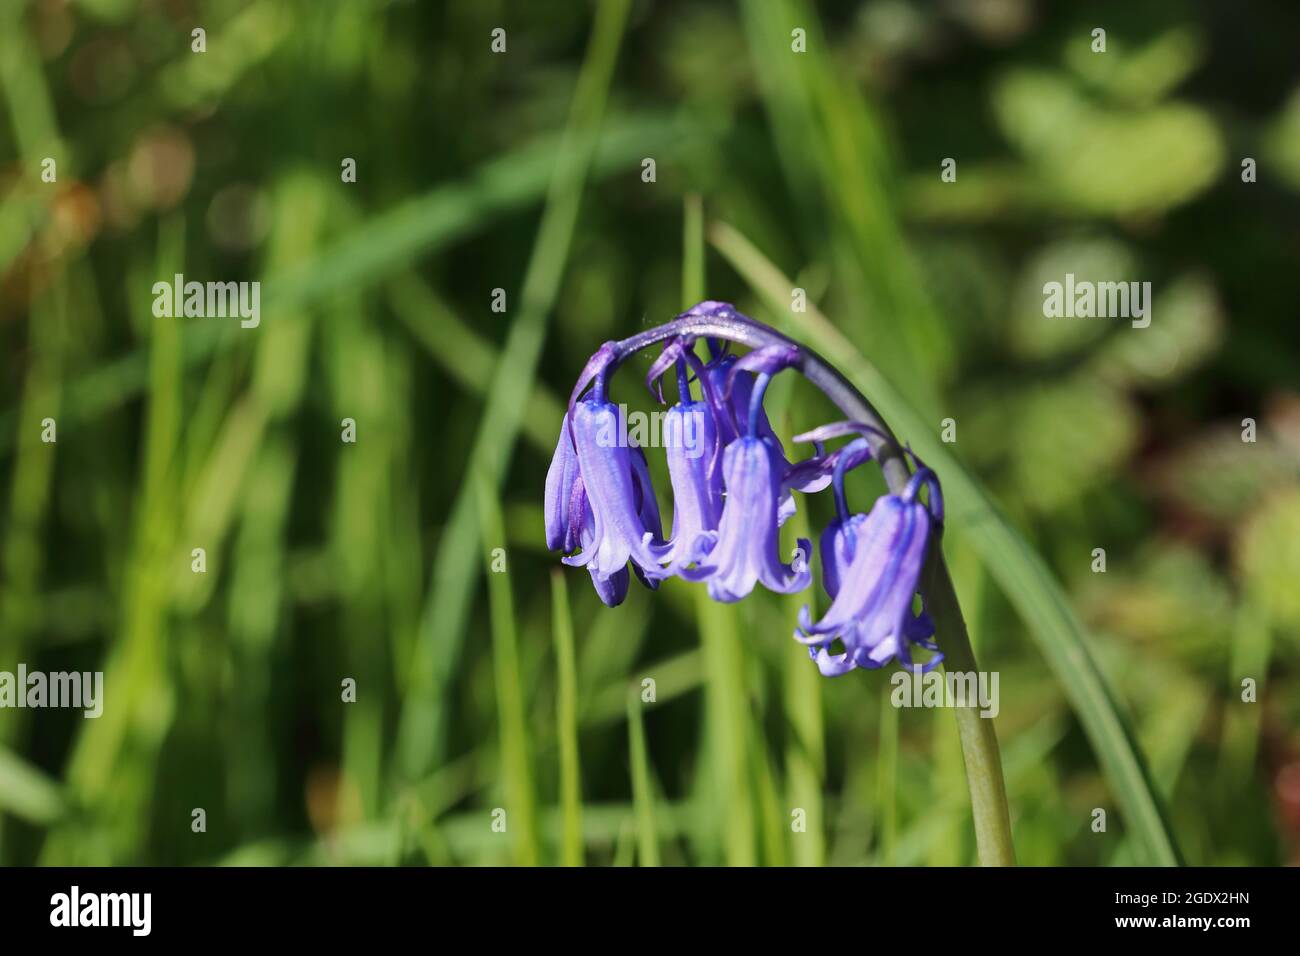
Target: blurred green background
column 524, row 171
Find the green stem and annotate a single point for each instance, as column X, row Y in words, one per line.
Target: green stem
column 979, row 741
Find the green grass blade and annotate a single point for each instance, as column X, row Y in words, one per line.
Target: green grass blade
column 1021, row 573
column 834, row 151
column 467, row 358
column 805, row 756
column 647, row 840
column 380, row 248
column 887, row 783
column 517, row 777
column 692, row 251
column 773, row 818
column 567, row 722
column 422, row 731
column 728, row 726
column 27, row 793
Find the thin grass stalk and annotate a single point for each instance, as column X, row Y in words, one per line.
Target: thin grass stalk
column 643, row 798
column 566, row 718
column 516, row 771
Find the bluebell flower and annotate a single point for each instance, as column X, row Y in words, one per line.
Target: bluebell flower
column 564, row 516
column 696, row 478
column 836, row 545
column 727, row 383
column 872, row 566
column 744, row 549
column 621, row 523
column 569, row 521
column 616, row 483
column 692, row 447
column 732, row 489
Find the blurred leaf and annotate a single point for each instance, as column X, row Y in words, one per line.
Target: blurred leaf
column 729, row 717
column 1053, row 440
column 1268, row 556
column 1107, row 162
column 989, row 191
column 1168, row 597
column 516, row 762
column 1186, row 328
column 1217, row 475
column 1065, row 438
column 1136, row 72
column 1282, row 141
column 1035, row 335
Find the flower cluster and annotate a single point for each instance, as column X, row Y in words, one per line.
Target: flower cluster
column 730, row 501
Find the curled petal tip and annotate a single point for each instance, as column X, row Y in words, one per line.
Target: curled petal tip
column 666, row 360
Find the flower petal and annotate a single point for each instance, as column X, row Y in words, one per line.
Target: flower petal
column 697, row 495
column 560, row 478
column 612, row 591
column 745, row 549
column 873, row 565
column 837, row 550
column 619, row 494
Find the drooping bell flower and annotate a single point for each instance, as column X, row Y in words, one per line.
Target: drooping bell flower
column 625, row 516
column 876, row 561
column 836, row 550
column 727, row 383
column 691, row 444
column 836, row 545
column 599, row 497
column 745, row 549
column 563, row 514
column 569, row 521
column 697, row 494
